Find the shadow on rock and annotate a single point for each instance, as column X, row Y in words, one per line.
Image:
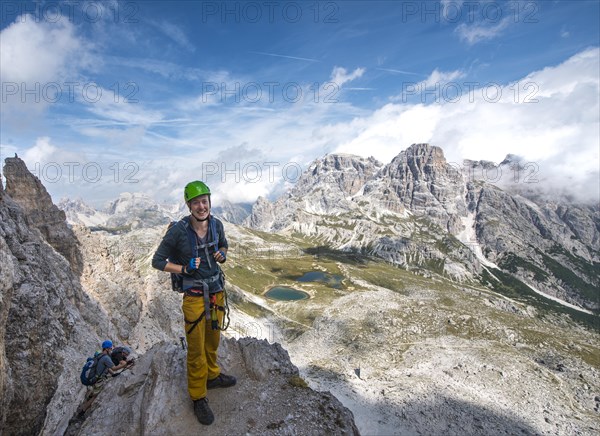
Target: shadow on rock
column 435, row 415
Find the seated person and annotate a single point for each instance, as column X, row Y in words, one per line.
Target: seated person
column 120, row 353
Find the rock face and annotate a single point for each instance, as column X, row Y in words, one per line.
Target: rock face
column 49, row 324
column 137, row 210
column 327, row 187
column 421, row 212
column 26, row 189
column 231, row 212
column 137, row 298
column 79, row 212
column 269, row 397
column 46, row 320
column 420, row 180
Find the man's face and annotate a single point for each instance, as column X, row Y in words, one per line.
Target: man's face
column 200, row 206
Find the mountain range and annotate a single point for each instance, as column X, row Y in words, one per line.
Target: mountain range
column 422, row 213
column 424, row 315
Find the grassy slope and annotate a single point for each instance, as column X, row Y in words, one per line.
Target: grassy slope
column 447, row 300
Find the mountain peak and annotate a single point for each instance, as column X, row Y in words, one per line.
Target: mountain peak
column 422, row 152
column 29, row 193
column 347, row 172
column 341, row 161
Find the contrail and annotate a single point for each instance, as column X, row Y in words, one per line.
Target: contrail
column 284, row 56
column 399, row 71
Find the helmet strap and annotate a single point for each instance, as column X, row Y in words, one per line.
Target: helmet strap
column 198, row 219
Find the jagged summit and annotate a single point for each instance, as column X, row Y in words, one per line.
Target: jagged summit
column 27, row 191
column 511, row 159
column 346, row 172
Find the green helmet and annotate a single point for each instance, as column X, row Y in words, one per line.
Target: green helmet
column 195, row 189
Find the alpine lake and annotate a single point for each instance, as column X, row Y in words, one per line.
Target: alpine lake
column 285, row 293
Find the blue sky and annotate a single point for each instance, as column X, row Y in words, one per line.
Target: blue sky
column 101, row 98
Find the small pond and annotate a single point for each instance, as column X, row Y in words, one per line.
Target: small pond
column 331, row 280
column 283, row 293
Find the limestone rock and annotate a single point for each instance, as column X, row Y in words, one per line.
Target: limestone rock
column 27, row 190
column 46, row 321
column 152, row 397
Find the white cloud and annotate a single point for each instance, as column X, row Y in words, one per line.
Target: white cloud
column 340, row 75
column 478, row 32
column 27, row 45
column 435, row 82
column 175, row 33
column 40, row 61
column 442, row 77
column 121, row 112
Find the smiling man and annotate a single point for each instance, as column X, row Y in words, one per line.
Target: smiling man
column 193, row 248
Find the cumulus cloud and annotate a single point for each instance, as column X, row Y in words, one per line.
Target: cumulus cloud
column 40, row 64
column 27, row 44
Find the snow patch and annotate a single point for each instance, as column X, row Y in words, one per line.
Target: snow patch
column 468, row 237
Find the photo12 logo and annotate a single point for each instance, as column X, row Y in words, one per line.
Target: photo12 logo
column 90, row 172
column 54, row 92
column 254, row 92
column 76, row 12
column 269, row 12
column 250, row 172
column 454, row 92
column 459, row 11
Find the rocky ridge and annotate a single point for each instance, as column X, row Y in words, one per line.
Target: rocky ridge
column 46, row 320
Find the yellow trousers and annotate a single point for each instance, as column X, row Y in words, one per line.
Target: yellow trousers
column 203, row 343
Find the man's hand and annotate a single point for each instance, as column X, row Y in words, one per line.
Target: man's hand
column 220, row 256
column 193, row 264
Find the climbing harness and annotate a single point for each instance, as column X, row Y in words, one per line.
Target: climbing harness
column 199, row 287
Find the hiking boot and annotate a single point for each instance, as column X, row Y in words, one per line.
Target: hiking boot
column 203, row 412
column 221, row 381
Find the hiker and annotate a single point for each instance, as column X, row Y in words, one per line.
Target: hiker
column 100, row 370
column 105, row 364
column 120, row 353
column 193, row 247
